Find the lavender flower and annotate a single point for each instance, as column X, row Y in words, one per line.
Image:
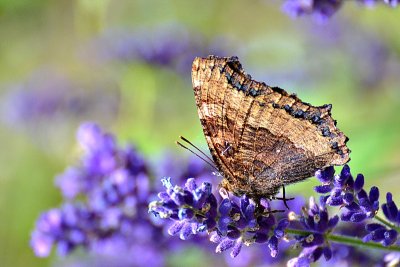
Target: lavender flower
column 172, row 46
column 391, row 259
column 381, row 233
column 349, row 193
column 392, row 3
column 231, row 223
column 357, row 205
column 106, row 213
column 371, row 3
column 48, row 105
column 182, row 168
column 316, row 221
column 50, row 95
column 107, row 196
column 390, row 209
column 234, row 221
column 67, row 227
column 324, row 9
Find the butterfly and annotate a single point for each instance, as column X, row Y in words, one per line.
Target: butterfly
column 261, row 138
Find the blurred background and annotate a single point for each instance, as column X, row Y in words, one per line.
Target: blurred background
column 126, row 65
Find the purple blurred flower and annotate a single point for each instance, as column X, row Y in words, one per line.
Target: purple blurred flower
column 182, row 168
column 43, row 95
column 171, row 46
column 66, row 227
column 48, row 106
column 50, row 95
column 107, row 196
column 324, row 9
column 367, row 53
column 321, row 9
column 392, row 3
column 392, row 259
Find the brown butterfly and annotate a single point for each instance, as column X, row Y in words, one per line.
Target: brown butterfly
column 260, row 137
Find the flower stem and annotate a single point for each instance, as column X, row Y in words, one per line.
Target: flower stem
column 346, row 240
column 388, row 224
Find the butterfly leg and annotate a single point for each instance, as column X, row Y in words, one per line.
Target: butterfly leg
column 284, row 199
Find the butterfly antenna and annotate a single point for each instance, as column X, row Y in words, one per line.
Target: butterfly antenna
column 195, row 147
column 200, row 157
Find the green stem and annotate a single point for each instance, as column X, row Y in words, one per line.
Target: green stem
column 388, row 224
column 346, row 240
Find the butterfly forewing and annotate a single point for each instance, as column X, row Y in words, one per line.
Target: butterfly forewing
column 261, row 137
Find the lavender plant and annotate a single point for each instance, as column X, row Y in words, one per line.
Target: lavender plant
column 324, row 9
column 106, row 204
column 50, row 95
column 235, row 221
column 173, row 46
column 105, row 210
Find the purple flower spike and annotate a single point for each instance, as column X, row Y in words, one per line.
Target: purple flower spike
column 187, row 230
column 191, row 184
column 333, row 222
column 374, row 226
column 236, row 248
column 273, row 246
column 233, row 232
column 325, row 176
column 334, row 201
column 390, row 209
column 107, row 194
column 41, row 244
column 392, row 3
column 176, row 227
column 315, row 220
column 390, row 237
column 306, row 257
column 231, row 221
column 323, row 189
column 182, row 204
column 109, row 203
column 225, row 244
column 280, row 228
column 359, row 183
column 358, row 217
column 349, row 194
column 225, row 207
column 261, row 237
column 327, row 252
column 379, row 233
column 340, row 180
column 321, row 9
column 345, row 173
column 374, row 194
column 348, row 198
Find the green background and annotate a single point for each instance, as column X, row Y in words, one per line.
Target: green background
column 335, row 62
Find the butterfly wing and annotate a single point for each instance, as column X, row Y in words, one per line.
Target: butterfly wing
column 261, row 137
